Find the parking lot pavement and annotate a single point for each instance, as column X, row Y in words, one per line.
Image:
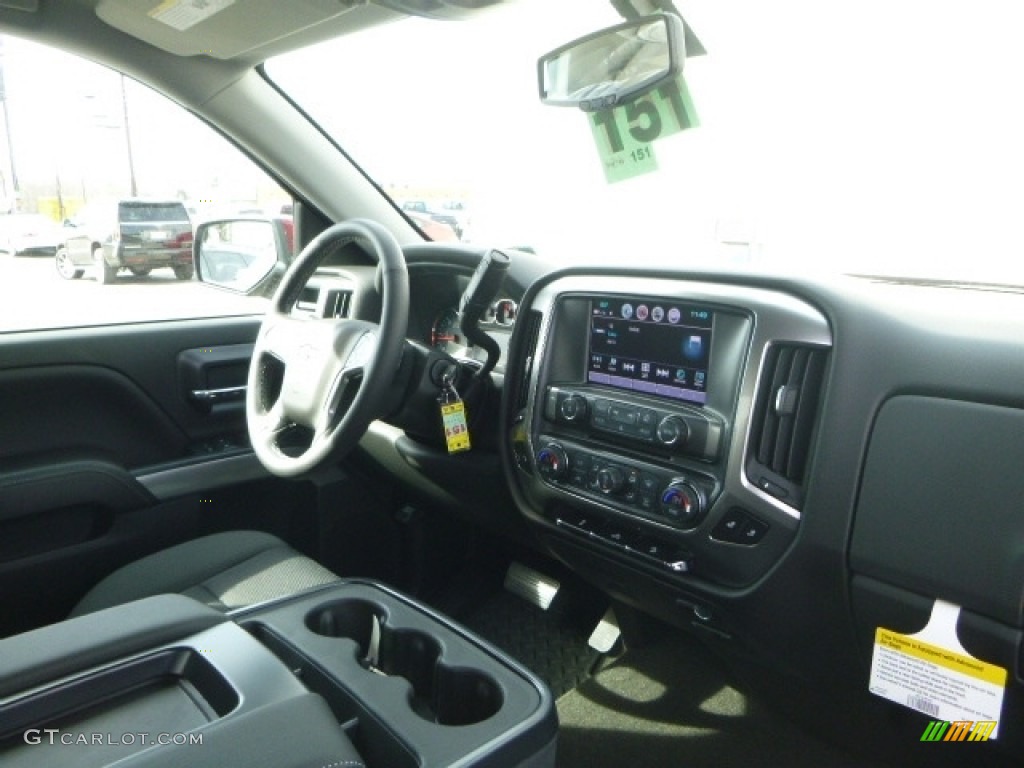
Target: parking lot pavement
column 34, row 296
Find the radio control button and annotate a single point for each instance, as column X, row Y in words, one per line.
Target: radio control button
column 649, row 483
column 623, row 415
column 573, row 408
column 672, row 430
column 581, row 461
column 632, row 487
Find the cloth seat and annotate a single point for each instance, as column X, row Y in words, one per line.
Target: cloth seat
column 224, row 570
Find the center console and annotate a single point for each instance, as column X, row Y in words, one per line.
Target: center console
column 640, row 416
column 350, row 674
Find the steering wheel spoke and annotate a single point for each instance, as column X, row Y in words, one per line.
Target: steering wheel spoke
column 331, row 376
column 266, row 427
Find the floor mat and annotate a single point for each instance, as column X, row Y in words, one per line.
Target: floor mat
column 550, row 645
column 668, row 706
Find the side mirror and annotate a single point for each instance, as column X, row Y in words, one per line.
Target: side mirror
column 246, row 255
column 615, row 65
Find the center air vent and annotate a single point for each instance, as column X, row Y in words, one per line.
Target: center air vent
column 783, row 421
column 330, row 303
column 337, row 304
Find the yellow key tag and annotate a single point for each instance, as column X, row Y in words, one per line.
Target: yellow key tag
column 456, row 431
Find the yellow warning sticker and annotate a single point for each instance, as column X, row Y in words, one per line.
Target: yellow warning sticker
column 943, row 657
column 456, row 431
column 940, row 680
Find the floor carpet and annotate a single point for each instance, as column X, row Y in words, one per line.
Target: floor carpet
column 667, row 705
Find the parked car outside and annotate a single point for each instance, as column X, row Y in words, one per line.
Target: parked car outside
column 22, row 233
column 134, row 234
column 438, row 231
column 427, row 210
column 460, row 212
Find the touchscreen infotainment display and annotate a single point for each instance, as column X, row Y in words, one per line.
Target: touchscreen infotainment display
column 655, row 346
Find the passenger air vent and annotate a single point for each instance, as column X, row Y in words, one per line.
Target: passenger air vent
column 531, row 332
column 783, row 421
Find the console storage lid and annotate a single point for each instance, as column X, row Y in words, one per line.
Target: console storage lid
column 45, row 654
column 159, row 682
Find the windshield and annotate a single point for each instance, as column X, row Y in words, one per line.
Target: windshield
column 869, row 137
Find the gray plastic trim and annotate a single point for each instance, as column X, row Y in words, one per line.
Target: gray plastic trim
column 203, row 476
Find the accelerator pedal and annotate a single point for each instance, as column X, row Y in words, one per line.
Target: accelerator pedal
column 606, row 633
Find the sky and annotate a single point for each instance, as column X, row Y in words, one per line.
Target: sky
column 67, row 120
column 867, row 135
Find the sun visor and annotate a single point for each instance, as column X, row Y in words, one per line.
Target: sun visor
column 29, row 6
column 221, row 29
column 441, row 9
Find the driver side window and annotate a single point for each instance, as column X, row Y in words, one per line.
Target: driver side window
column 102, row 183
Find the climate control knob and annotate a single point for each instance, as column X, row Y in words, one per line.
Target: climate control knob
column 573, row 408
column 683, row 503
column 610, row 479
column 552, row 462
column 673, row 430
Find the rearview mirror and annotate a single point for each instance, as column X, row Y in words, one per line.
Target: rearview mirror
column 615, row 65
column 243, row 255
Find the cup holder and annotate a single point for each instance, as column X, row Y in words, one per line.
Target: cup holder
column 354, row 619
column 440, row 694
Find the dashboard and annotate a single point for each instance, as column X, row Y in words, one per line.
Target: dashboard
column 780, row 466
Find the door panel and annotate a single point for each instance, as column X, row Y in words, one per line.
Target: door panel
column 107, row 455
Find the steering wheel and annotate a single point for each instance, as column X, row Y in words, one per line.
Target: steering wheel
column 331, row 376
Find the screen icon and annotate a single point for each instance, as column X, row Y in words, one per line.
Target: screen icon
column 673, row 315
column 680, row 375
column 627, row 311
column 657, row 314
column 641, row 312
column 698, row 378
column 693, row 348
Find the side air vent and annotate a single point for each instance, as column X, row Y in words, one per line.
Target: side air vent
column 530, row 328
column 784, row 418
